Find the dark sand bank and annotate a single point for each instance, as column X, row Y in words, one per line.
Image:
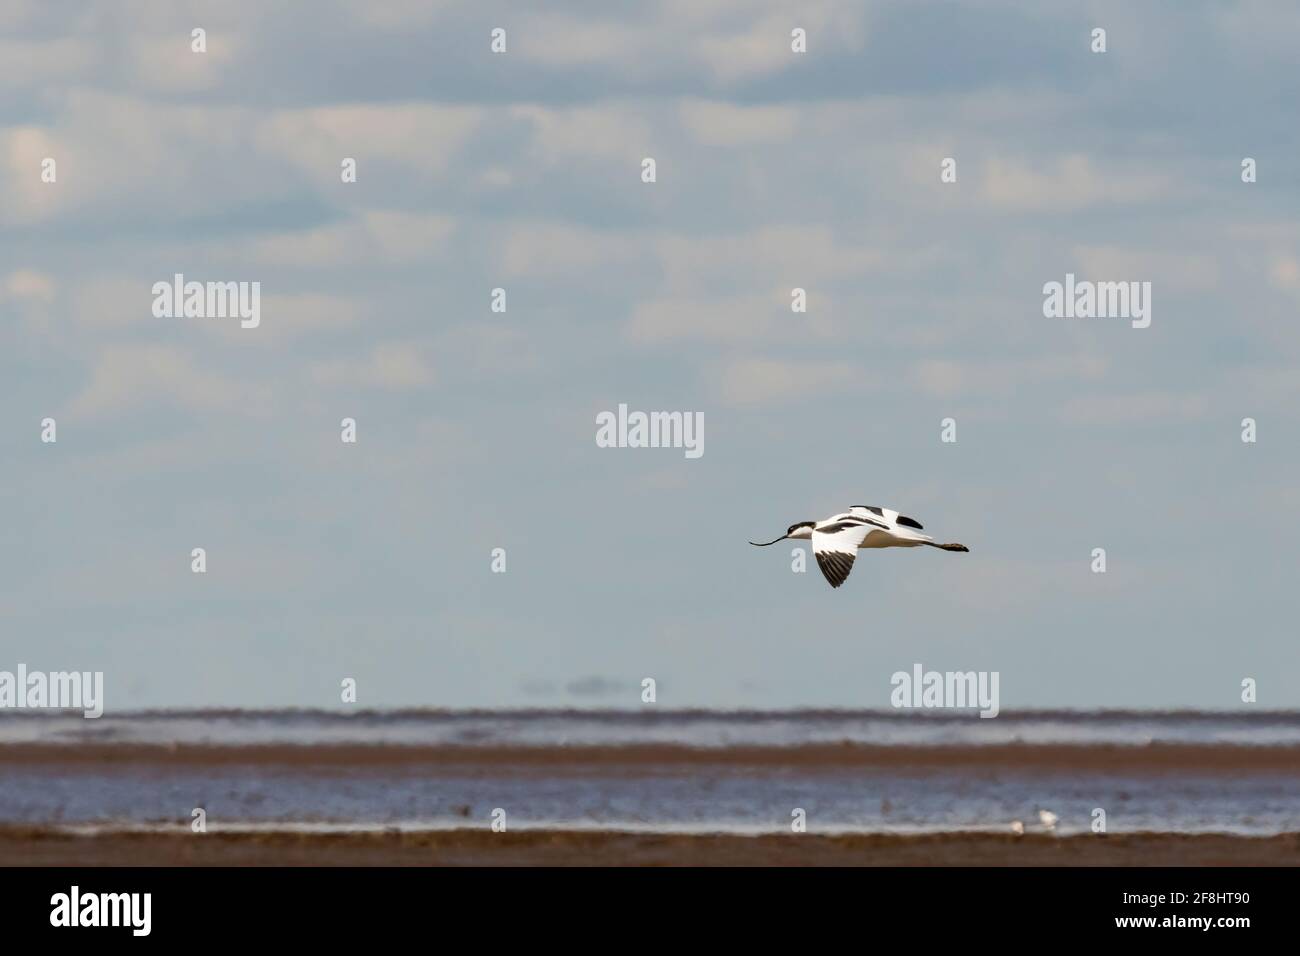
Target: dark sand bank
column 42, row 846
column 1154, row 757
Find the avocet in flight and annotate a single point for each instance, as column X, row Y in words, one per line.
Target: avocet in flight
column 836, row 540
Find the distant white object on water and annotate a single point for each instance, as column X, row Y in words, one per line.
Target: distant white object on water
column 1048, row 819
column 1017, row 828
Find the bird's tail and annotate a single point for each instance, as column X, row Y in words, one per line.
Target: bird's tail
column 948, row 547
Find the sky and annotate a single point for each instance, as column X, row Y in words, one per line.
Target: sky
column 476, row 429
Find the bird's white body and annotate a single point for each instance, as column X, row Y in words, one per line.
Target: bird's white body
column 884, row 530
column 837, row 539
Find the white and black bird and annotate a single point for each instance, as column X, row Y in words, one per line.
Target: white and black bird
column 837, row 539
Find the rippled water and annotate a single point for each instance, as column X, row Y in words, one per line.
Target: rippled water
column 643, row 794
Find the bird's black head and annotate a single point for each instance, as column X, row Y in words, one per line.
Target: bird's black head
column 802, row 524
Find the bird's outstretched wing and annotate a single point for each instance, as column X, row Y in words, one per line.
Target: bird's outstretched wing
column 836, row 545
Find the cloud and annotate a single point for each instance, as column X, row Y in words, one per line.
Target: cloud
column 553, row 249
column 485, row 349
column 1172, row 270
column 154, row 160
column 397, row 15
column 421, row 138
column 761, row 381
column 1072, row 182
column 297, row 314
column 166, row 63
column 36, row 62
column 587, row 134
column 124, row 153
column 747, row 47
column 386, row 237
column 129, row 377
column 763, row 48
column 943, row 378
column 391, row 366
column 27, row 285
column 797, row 254
column 561, row 41
column 732, row 320
column 24, row 197
column 710, row 43
column 106, row 302
column 1154, row 408
column 716, row 123
column 1285, row 273
column 31, row 295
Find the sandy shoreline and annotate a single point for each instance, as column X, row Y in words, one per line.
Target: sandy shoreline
column 43, row 846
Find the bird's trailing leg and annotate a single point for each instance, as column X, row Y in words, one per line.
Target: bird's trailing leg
column 948, row 547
